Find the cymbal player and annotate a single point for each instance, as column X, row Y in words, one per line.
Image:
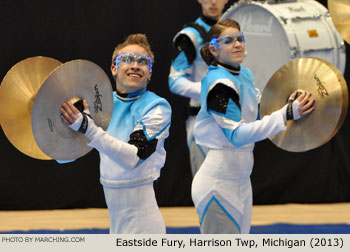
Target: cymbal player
column 229, row 125
column 132, row 149
column 188, row 69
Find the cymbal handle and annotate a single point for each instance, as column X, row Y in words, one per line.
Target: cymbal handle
column 298, row 93
column 79, row 105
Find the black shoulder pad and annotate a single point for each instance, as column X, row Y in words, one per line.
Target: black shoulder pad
column 145, row 147
column 219, row 96
column 184, row 43
column 200, row 29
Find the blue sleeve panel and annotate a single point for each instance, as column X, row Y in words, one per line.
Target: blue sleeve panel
column 233, row 136
column 226, row 106
column 156, row 118
column 65, row 161
column 220, row 96
column 223, row 104
column 180, row 65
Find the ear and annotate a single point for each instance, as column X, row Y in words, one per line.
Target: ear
column 213, row 51
column 149, row 78
column 114, row 70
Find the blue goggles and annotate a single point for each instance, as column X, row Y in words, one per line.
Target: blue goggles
column 227, row 40
column 131, row 57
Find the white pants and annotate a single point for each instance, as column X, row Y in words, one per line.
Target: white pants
column 197, row 152
column 223, row 183
column 134, row 210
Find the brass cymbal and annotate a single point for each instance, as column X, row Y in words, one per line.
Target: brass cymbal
column 73, row 80
column 328, row 88
column 17, row 94
column 340, row 13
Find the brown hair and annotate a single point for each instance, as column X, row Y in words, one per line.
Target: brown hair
column 134, row 39
column 215, row 32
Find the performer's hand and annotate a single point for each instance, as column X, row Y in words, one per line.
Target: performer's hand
column 306, row 104
column 300, row 107
column 74, row 118
column 69, row 112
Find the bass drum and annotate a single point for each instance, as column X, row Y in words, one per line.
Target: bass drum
column 279, row 32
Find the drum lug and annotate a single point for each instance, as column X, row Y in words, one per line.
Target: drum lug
column 294, row 52
column 283, row 19
column 342, row 47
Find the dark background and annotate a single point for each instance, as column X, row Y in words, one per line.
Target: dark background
column 68, row 30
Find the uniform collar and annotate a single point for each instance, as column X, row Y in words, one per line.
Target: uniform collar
column 131, row 96
column 208, row 20
column 231, row 69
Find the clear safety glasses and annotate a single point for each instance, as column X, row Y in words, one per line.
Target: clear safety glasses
column 130, row 57
column 207, row 1
column 227, row 40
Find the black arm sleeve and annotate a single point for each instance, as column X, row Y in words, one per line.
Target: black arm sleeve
column 184, row 43
column 145, row 147
column 218, row 98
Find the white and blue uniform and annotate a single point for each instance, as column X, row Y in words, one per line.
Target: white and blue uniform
column 228, row 125
column 127, row 174
column 185, row 78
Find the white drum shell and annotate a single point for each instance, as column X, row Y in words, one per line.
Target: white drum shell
column 277, row 33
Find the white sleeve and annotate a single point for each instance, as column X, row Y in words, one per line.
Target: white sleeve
column 156, row 123
column 248, row 133
column 180, row 70
column 120, row 152
column 184, row 87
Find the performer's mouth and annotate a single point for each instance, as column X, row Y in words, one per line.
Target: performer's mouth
column 135, row 75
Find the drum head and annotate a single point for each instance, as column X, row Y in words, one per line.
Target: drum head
column 267, row 45
column 277, row 33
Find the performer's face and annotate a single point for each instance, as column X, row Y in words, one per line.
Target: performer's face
column 133, row 76
column 230, row 48
column 212, row 8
